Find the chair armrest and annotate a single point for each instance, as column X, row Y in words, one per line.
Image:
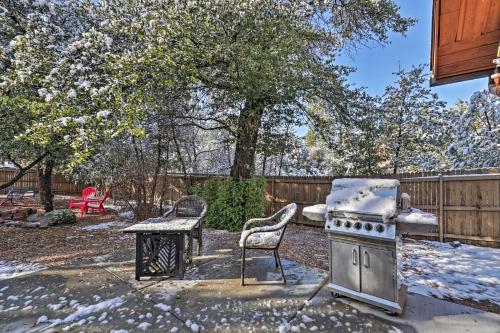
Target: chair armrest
column 271, row 228
column 256, row 221
column 168, row 212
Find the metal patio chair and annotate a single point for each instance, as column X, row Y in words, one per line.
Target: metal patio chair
column 191, row 206
column 266, row 237
column 18, row 194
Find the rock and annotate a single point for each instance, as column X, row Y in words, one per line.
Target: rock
column 59, row 216
column 6, row 215
column 19, row 215
column 14, row 223
column 43, row 223
column 34, row 218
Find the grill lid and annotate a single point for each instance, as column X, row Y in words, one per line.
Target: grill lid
column 360, row 198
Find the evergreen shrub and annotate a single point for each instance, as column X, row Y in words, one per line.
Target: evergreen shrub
column 231, row 203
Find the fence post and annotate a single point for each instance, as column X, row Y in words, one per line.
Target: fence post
column 441, row 203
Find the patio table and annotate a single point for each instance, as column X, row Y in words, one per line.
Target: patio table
column 160, row 244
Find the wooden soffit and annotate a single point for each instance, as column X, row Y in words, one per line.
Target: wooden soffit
column 465, row 38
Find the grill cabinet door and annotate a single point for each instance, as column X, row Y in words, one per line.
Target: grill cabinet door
column 378, row 272
column 344, row 261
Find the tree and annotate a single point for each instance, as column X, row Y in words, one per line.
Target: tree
column 250, row 57
column 84, row 73
column 33, row 36
column 475, row 132
column 414, row 123
column 350, row 142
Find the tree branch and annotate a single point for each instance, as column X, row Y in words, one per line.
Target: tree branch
column 21, row 170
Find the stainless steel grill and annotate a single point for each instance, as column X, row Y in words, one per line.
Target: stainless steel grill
column 364, row 243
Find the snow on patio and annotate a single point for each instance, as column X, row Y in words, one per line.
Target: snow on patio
column 442, row 270
column 11, row 269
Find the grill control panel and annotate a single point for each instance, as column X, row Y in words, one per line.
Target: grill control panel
column 361, row 228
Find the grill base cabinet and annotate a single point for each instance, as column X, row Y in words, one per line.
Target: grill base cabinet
column 366, row 270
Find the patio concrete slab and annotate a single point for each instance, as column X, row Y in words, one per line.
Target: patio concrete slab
column 323, row 313
column 218, row 303
column 122, row 266
column 102, row 295
column 77, row 298
column 428, row 314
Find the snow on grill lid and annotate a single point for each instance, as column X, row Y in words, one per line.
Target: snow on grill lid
column 368, row 196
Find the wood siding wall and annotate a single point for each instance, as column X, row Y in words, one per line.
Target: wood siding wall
column 465, row 38
column 467, row 202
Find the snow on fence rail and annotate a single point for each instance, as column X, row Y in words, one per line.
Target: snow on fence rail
column 466, row 202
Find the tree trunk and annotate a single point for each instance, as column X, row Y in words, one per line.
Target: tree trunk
column 399, row 142
column 45, row 181
column 282, row 154
column 264, row 161
column 246, row 140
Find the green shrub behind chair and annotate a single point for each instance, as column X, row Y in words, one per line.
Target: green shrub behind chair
column 231, row 203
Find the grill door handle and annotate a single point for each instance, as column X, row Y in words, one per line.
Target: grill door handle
column 354, row 257
column 366, row 259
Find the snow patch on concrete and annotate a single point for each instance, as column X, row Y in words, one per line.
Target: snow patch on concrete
column 12, row 269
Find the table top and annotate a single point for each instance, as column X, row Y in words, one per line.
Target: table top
column 164, row 224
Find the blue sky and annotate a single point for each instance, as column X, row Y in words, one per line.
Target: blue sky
column 375, row 65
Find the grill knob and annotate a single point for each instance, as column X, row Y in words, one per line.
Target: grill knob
column 347, row 224
column 379, row 228
column 338, row 223
column 357, row 225
column 368, row 226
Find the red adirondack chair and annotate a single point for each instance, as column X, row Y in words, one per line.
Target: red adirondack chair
column 96, row 203
column 81, row 201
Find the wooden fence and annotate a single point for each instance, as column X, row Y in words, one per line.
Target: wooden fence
column 466, row 202
column 60, row 185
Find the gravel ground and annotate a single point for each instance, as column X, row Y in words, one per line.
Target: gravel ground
column 61, row 245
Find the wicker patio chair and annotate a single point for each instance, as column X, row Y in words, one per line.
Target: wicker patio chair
column 191, row 206
column 266, row 237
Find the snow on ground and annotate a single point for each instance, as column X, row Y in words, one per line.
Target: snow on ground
column 128, row 214
column 83, row 312
column 105, row 225
column 444, row 270
column 10, row 269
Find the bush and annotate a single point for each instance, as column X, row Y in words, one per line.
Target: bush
column 232, row 203
column 59, row 216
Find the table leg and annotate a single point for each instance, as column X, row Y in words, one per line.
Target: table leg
column 138, row 256
column 180, row 255
column 190, row 249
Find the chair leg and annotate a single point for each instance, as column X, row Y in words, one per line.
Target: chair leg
column 275, row 259
column 190, row 245
column 281, row 267
column 243, row 266
column 200, row 241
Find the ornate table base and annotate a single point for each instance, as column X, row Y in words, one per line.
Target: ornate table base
column 160, row 254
